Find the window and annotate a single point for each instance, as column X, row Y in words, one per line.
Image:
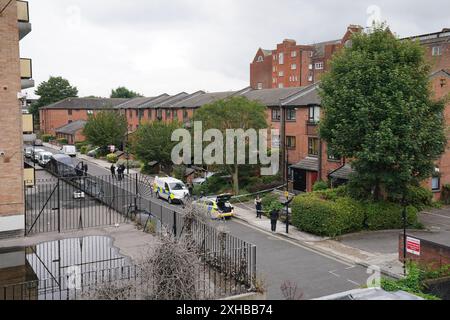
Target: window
column 137, row 113
column 175, row 114
column 281, row 74
column 291, row 114
column 311, row 54
column 314, row 114
column 319, row 66
column 185, row 115
column 290, row 142
column 149, row 115
column 141, row 114
column 69, row 112
column 436, row 184
column 276, row 114
column 436, row 51
column 281, row 58
column 293, row 54
column 310, row 66
column 260, row 59
column 313, row 147
column 159, row 114
column 310, row 78
column 260, row 85
column 274, row 69
column 293, row 66
column 274, row 80
column 332, row 156
column 167, row 114
column 130, row 112
column 70, row 121
column 280, row 85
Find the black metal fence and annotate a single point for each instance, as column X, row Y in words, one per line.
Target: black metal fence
column 79, row 200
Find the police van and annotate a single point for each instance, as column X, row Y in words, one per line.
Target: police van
column 170, row 189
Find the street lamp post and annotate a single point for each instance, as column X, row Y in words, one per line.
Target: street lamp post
column 404, row 233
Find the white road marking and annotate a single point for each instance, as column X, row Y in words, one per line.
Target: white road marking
column 334, row 274
column 437, row 215
column 353, row 282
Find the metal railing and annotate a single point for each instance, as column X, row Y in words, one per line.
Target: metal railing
column 26, row 70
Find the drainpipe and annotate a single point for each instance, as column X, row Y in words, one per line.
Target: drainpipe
column 320, row 159
column 283, row 141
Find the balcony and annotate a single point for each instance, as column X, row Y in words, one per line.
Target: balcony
column 27, row 123
column 26, row 73
column 23, row 18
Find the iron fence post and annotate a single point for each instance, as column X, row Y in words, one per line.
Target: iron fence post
column 59, row 207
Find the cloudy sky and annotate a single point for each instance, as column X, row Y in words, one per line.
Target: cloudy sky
column 156, row 46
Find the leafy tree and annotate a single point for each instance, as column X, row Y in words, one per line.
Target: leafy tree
column 153, row 142
column 379, row 111
column 53, row 90
column 106, row 128
column 233, row 113
column 122, row 92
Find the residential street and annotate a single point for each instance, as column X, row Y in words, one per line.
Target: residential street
column 280, row 260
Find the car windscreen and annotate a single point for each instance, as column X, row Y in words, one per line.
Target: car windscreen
column 176, row 186
column 66, row 161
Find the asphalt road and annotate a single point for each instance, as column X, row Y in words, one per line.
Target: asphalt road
column 280, row 260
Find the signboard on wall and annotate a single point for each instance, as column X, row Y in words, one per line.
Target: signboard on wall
column 413, row 246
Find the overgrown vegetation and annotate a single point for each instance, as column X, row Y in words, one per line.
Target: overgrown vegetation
column 415, row 281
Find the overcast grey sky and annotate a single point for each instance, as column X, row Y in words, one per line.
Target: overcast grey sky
column 156, row 46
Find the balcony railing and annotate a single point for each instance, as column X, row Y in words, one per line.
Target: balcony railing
column 26, row 71
column 27, row 123
column 23, row 14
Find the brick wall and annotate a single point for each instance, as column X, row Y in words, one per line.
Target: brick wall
column 432, row 254
column 11, row 174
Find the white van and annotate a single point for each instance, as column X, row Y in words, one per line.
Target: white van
column 170, row 189
column 69, row 151
column 44, row 158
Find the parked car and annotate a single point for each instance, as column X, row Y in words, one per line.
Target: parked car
column 200, row 181
column 44, row 158
column 35, row 154
column 69, row 150
column 93, row 153
column 170, row 189
column 28, row 152
column 38, row 143
column 219, row 207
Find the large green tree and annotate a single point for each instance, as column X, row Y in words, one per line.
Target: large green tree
column 233, row 113
column 106, row 128
column 53, row 90
column 379, row 112
column 122, row 92
column 153, row 142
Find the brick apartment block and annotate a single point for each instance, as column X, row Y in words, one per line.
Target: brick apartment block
column 14, row 25
column 307, row 155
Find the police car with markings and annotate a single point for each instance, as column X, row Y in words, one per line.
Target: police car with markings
column 218, row 207
column 170, row 189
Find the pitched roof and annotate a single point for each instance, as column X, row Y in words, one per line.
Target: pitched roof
column 86, row 103
column 272, row 97
column 72, row 127
column 203, row 99
column 157, row 103
column 171, row 102
column 440, row 72
column 137, row 102
column 308, row 164
column 342, row 173
column 307, row 96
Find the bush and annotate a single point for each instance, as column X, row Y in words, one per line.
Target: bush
column 62, row 141
column 84, row 149
column 270, row 201
column 312, row 214
column 47, row 138
column 388, row 215
column 79, row 145
column 132, row 164
column 419, row 197
column 320, row 186
column 112, row 158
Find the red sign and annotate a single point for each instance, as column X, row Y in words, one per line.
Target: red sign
column 413, row 246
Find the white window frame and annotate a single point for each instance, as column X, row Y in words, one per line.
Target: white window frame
column 318, row 66
column 281, row 58
column 260, row 59
column 260, row 85
column 436, row 51
column 293, row 54
column 294, row 66
column 281, row 74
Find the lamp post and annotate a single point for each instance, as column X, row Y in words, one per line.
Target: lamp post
column 404, row 233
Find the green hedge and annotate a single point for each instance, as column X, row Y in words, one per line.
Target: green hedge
column 320, row 185
column 62, row 141
column 47, row 137
column 313, row 214
column 112, row 158
column 84, row 149
column 332, row 213
column 388, row 215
